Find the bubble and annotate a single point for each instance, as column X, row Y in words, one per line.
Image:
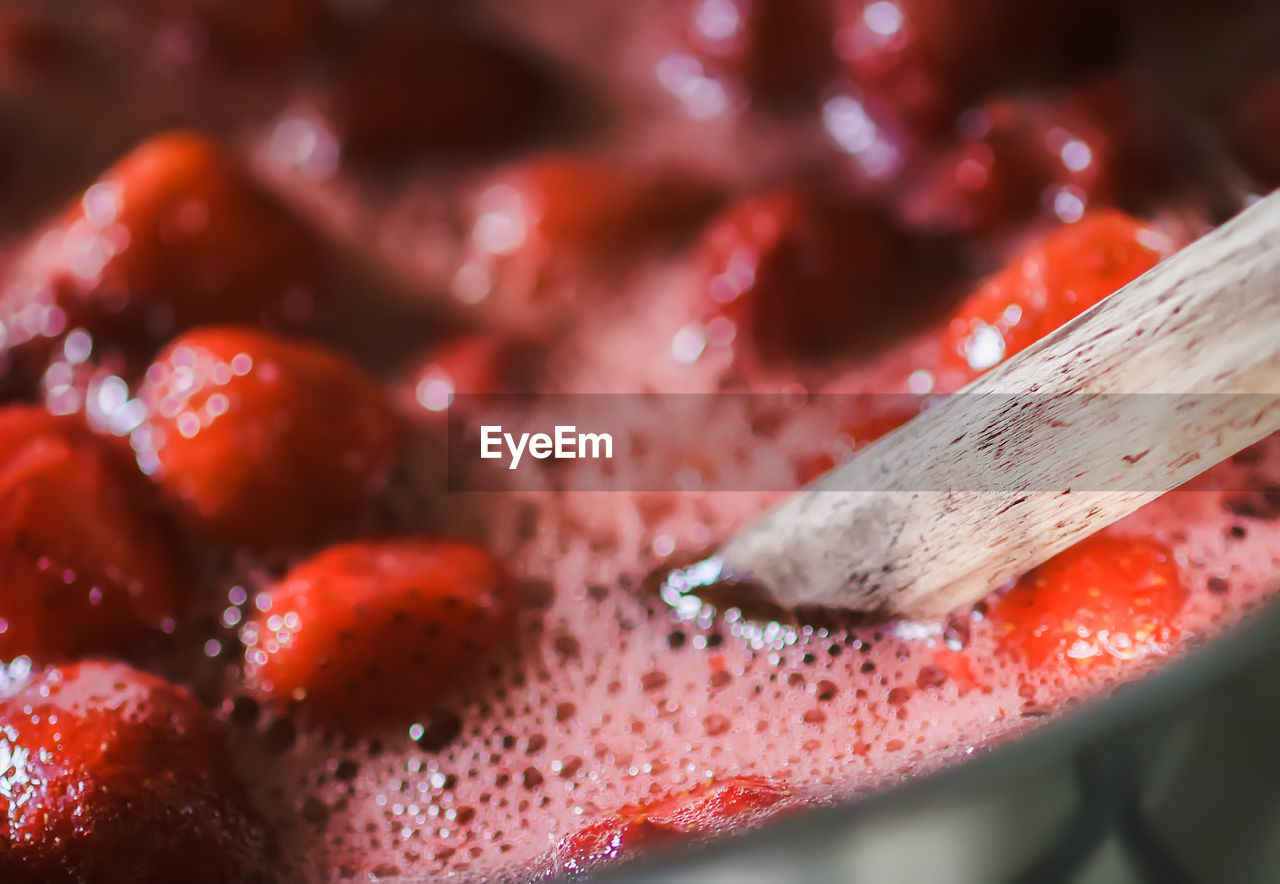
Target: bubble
column 715, row 725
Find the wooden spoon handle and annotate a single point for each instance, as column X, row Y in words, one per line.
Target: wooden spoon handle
column 1025, row 461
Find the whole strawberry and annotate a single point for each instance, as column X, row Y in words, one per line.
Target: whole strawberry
column 174, row 234
column 113, row 775
column 86, row 561
column 262, row 440
column 705, row 811
column 369, row 632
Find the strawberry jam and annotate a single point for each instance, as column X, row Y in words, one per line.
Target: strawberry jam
column 1101, row 601
column 258, row 620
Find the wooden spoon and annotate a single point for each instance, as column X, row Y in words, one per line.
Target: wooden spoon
column 1175, row 372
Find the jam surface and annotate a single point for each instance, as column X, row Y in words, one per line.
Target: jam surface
column 260, row 247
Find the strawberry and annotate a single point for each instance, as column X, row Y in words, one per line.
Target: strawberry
column 85, row 559
column 262, row 440
column 579, row 201
column 798, row 277
column 1049, row 284
column 708, row 810
column 176, row 233
column 376, row 631
column 1105, row 600
column 114, row 775
column 780, row 49
column 418, row 84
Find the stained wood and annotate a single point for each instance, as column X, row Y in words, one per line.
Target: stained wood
column 1167, row 377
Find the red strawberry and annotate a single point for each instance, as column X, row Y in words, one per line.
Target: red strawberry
column 580, row 201
column 114, row 775
column 176, row 233
column 1107, row 599
column 714, row 808
column 781, row 49
column 1253, row 128
column 418, row 84
column 1049, row 284
column 375, row 631
column 797, row 277
column 262, row 440
column 86, row 562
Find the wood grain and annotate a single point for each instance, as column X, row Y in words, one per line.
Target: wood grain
column 1172, row 374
